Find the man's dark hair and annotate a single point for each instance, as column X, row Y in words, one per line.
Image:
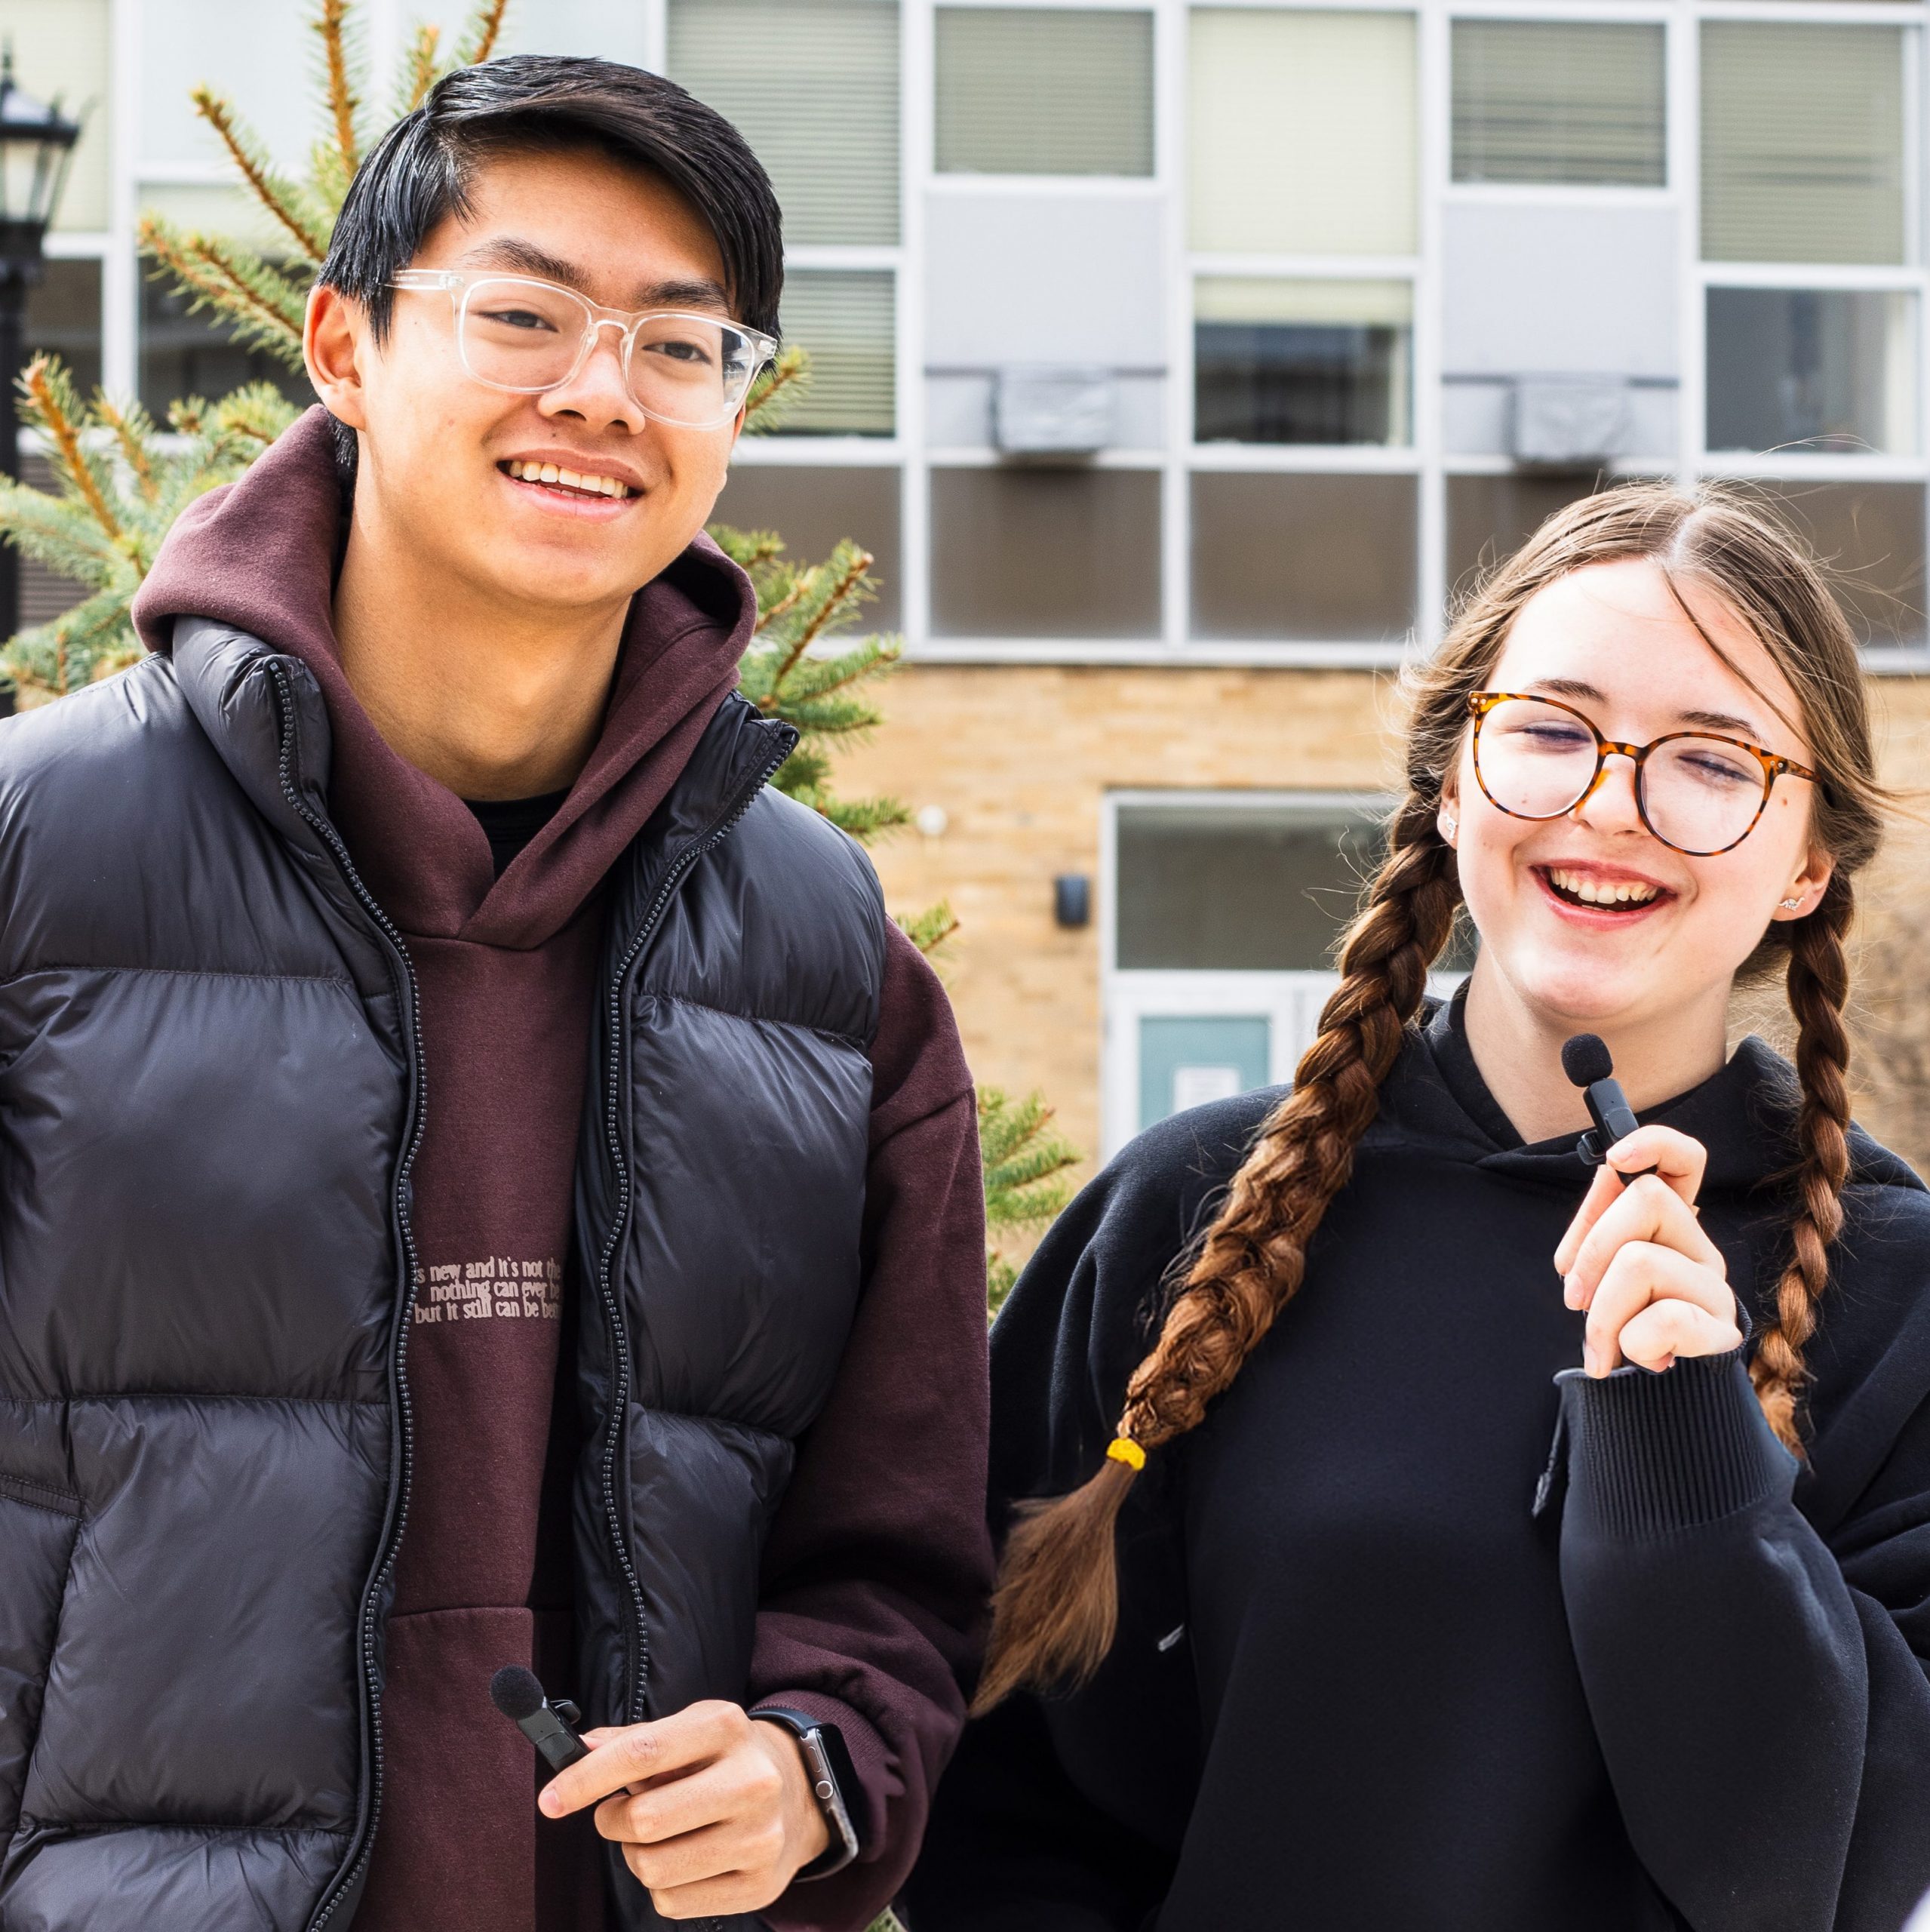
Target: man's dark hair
column 420, row 171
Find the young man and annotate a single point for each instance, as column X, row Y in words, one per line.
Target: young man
column 482, row 1181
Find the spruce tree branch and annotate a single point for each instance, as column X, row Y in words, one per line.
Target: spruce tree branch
column 853, row 575
column 64, row 433
column 420, row 74
column 775, row 389
column 206, row 267
column 485, row 29
column 131, row 434
column 341, row 101
column 276, row 195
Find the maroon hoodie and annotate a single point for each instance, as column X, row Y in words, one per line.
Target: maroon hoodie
column 878, row 1563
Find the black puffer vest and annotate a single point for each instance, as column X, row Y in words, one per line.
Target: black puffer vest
column 210, row 1089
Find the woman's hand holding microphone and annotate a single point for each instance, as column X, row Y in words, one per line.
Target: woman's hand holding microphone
column 1655, row 1286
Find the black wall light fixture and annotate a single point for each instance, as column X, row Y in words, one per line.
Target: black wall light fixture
column 1072, row 900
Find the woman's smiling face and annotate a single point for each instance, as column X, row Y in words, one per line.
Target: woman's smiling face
column 1591, row 920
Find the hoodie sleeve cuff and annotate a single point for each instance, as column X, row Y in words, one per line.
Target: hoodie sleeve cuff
column 1649, row 1454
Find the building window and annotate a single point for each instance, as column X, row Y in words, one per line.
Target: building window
column 813, row 86
column 1869, row 536
column 1803, row 143
column 1043, row 90
column 1325, row 559
column 813, row 510
column 187, row 354
column 1829, row 369
column 1045, row 552
column 847, row 322
column 1228, row 909
column 1489, row 517
column 1304, row 135
column 63, row 318
column 1239, row 887
column 1571, row 102
column 1277, row 361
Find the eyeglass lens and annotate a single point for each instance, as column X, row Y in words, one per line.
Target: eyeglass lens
column 1699, row 795
column 687, row 370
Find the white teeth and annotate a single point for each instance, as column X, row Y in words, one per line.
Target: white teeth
column 1594, row 892
column 568, row 479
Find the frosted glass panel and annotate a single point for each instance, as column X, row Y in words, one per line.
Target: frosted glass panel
column 1558, row 101
column 1304, row 132
column 608, row 31
column 813, row 86
column 1320, row 558
column 262, row 58
column 1803, row 143
column 1046, row 90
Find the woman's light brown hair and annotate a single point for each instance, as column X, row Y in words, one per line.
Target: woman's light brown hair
column 1056, row 1611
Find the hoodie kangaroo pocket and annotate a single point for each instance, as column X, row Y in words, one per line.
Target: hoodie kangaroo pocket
column 37, row 1529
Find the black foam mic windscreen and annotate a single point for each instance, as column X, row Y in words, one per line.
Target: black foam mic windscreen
column 1585, row 1060
column 515, row 1692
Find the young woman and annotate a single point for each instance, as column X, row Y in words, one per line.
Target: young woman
column 1361, row 1605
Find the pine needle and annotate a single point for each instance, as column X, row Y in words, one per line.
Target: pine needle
column 132, row 427
column 420, row 71
column 343, row 104
column 778, row 389
column 279, row 196
column 485, row 29
column 50, row 398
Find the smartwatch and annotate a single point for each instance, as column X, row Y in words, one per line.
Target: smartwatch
column 834, row 1783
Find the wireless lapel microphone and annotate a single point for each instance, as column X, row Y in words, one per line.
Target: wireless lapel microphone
column 1585, row 1061
column 551, row 1727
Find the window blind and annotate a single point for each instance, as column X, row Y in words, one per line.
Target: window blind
column 1802, row 142
column 1331, row 304
column 813, row 86
column 1045, row 90
column 1576, row 102
column 847, row 322
column 1303, row 135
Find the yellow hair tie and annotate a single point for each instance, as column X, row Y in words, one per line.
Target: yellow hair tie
column 1123, row 1449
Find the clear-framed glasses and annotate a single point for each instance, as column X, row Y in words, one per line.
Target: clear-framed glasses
column 516, row 333
column 1697, row 791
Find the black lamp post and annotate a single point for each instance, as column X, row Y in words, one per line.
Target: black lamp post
column 36, row 146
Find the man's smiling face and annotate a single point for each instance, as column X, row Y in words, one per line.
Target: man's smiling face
column 447, row 461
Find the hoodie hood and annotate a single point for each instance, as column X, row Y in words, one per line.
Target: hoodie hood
column 259, row 556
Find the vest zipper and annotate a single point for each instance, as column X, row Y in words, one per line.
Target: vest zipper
column 403, row 1440
column 637, row 1638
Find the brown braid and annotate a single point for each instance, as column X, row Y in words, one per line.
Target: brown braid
column 1818, row 986
column 1056, row 1611
column 1056, row 1608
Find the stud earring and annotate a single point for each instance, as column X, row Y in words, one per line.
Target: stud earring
column 1790, row 905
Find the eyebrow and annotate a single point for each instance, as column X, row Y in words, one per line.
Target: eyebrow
column 1711, row 720
column 511, row 252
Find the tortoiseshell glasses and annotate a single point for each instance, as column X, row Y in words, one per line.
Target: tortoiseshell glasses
column 1697, row 791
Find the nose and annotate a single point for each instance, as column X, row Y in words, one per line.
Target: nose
column 1609, row 804
column 598, row 394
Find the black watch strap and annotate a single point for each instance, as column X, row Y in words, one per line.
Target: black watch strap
column 834, row 1783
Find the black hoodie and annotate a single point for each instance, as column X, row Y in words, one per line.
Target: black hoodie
column 1397, row 1652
